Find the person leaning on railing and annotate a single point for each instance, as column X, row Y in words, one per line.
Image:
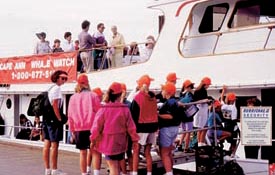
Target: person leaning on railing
column 200, row 118
column 86, row 41
column 215, row 123
column 117, row 44
column 42, row 46
column 36, row 133
column 26, row 126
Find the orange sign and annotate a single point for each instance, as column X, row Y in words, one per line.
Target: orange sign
column 37, row 68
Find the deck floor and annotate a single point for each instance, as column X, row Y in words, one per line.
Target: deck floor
column 25, row 160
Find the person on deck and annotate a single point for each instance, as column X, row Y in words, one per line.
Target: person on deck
column 86, row 42
column 67, row 44
column 56, row 46
column 43, row 46
column 99, row 54
column 146, row 52
column 117, row 44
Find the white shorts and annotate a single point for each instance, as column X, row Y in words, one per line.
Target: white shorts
column 200, row 118
column 147, row 138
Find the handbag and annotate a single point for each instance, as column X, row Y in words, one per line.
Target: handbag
column 191, row 110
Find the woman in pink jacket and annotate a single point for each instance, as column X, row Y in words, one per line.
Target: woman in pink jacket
column 83, row 106
column 112, row 123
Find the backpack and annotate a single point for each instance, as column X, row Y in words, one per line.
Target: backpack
column 39, row 105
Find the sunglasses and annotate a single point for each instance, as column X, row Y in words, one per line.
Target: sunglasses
column 64, row 78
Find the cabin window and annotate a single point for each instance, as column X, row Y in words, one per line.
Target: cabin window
column 247, row 13
column 213, row 18
column 8, row 103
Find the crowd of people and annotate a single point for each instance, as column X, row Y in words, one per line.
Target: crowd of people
column 29, row 130
column 95, row 53
column 111, row 125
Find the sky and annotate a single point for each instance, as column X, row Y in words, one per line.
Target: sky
column 20, row 20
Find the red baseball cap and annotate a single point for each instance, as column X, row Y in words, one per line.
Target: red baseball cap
column 217, row 103
column 98, row 91
column 169, row 88
column 83, row 79
column 123, row 86
column 206, row 81
column 116, row 88
column 231, row 96
column 171, row 77
column 187, row 83
column 144, row 79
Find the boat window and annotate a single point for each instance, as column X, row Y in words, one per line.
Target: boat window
column 8, row 103
column 213, row 18
column 247, row 13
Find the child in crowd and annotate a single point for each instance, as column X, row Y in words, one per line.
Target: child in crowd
column 83, row 106
column 215, row 120
column 230, row 116
column 36, row 133
column 98, row 92
column 169, row 121
column 186, row 96
column 144, row 113
column 200, row 119
column 112, row 124
column 76, row 45
column 130, row 143
column 56, row 46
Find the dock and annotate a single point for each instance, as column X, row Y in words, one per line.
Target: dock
column 25, row 157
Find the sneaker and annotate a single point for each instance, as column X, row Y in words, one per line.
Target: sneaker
column 89, row 172
column 179, row 148
column 48, row 172
column 58, row 172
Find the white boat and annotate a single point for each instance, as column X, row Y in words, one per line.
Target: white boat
column 231, row 41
